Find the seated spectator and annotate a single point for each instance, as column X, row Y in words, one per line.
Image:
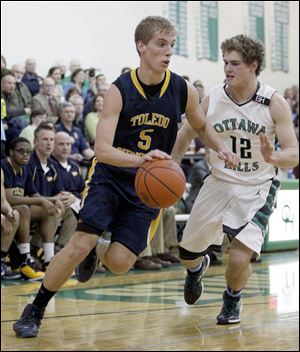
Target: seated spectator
column 63, row 68
column 21, row 88
column 23, row 196
column 74, row 65
column 92, row 118
column 80, row 147
column 46, row 178
column 30, row 78
column 36, row 117
column 58, row 92
column 90, row 83
column 77, row 101
column 16, row 110
column 74, row 91
column 9, row 224
column 73, row 186
column 46, row 100
column 77, row 80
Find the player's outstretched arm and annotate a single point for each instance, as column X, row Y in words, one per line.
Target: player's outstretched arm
column 204, row 130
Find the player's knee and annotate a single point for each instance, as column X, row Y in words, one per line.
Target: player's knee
column 237, row 267
column 118, row 265
column 78, row 248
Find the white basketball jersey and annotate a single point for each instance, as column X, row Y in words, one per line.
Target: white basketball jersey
column 239, row 127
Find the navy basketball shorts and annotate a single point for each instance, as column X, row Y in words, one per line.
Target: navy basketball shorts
column 108, row 207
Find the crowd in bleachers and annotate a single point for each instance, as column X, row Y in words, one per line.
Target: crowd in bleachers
column 48, row 131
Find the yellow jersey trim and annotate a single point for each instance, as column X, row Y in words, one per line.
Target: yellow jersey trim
column 136, row 82
column 87, row 182
column 166, row 84
column 153, row 226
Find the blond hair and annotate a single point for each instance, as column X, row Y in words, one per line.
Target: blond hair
column 146, row 29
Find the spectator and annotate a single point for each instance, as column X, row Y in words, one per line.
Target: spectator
column 77, row 101
column 73, row 186
column 30, row 78
column 36, row 117
column 46, row 178
column 9, row 224
column 92, row 118
column 77, row 80
column 58, row 92
column 15, row 119
column 24, row 198
column 21, row 88
column 46, row 100
column 74, row 65
column 74, row 91
column 80, row 147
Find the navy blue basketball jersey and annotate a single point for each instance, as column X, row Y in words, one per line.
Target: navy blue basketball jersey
column 149, row 122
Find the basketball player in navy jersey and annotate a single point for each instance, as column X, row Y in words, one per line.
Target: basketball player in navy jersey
column 141, row 112
column 247, row 114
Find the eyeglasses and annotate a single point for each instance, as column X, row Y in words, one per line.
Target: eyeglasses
column 23, row 151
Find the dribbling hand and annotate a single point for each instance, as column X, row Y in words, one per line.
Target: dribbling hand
column 156, row 154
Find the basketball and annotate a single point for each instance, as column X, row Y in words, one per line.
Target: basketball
column 159, row 183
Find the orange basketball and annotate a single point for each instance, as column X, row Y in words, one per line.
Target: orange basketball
column 159, row 183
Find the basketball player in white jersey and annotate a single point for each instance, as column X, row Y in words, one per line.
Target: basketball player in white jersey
column 247, row 114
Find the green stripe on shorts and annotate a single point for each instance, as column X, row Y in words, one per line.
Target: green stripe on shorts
column 261, row 217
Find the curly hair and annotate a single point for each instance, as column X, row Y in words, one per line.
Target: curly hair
column 251, row 50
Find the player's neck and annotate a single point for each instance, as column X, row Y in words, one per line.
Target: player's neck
column 149, row 77
column 242, row 93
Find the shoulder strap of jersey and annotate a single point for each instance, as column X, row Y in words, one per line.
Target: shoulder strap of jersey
column 261, row 100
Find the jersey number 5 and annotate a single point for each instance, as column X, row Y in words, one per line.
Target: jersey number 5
column 145, row 142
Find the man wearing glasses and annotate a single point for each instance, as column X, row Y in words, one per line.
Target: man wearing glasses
column 22, row 195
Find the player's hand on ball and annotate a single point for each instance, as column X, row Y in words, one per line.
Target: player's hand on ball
column 156, row 154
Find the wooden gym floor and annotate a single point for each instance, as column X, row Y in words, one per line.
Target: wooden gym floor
column 145, row 311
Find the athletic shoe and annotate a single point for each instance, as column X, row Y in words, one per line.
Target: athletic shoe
column 7, row 274
column 230, row 313
column 30, row 321
column 193, row 286
column 45, row 266
column 169, row 257
column 157, row 260
column 30, row 271
column 145, row 263
column 85, row 270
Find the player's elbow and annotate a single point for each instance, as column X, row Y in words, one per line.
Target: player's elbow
column 101, row 152
column 294, row 156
